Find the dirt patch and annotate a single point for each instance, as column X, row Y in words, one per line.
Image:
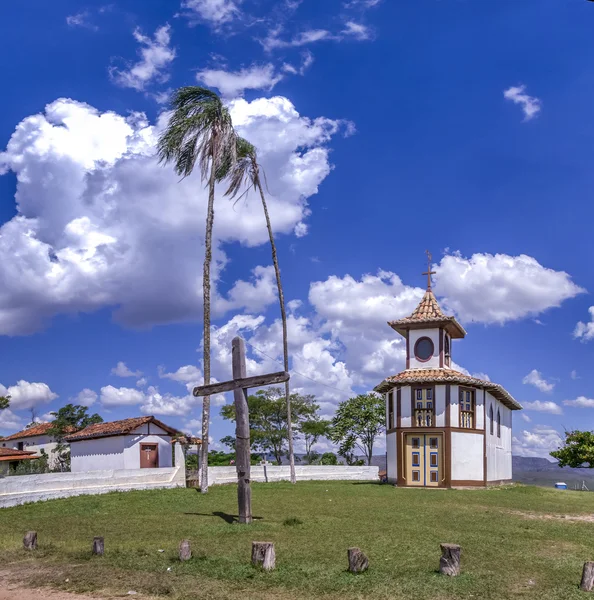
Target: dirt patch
column 553, row 517
column 10, row 591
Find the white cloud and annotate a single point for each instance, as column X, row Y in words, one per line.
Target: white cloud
column 538, row 442
column 80, row 19
column 215, row 13
column 536, row 379
column 141, row 382
column 574, row 375
column 306, row 62
column 547, row 406
column 122, row 370
column 305, row 38
column 585, row 331
column 123, row 396
column 185, row 374
column 530, row 105
column 254, row 296
column 91, row 232
column 10, row 422
column 25, row 395
column 356, row 30
column 155, row 56
column 233, row 84
column 526, row 417
column 361, row 3
column 85, row 397
column 498, row 288
column 155, row 403
column 580, row 402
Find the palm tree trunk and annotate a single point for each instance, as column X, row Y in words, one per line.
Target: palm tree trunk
column 206, row 344
column 281, row 299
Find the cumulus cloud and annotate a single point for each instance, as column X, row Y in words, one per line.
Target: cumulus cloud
column 215, row 13
column 85, row 397
column 585, row 331
column 232, row 84
column 580, row 402
column 25, row 395
column 539, row 406
column 122, row 370
column 536, row 379
column 530, row 105
column 526, row 418
column 538, row 442
column 498, row 288
column 10, row 422
column 155, row 56
column 123, row 396
column 90, row 230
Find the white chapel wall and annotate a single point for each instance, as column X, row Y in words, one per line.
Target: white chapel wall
column 391, row 457
column 98, row 454
column 499, row 452
column 433, row 335
column 35, row 444
column 454, row 406
column 467, row 456
column 440, row 405
column 132, row 448
column 405, row 406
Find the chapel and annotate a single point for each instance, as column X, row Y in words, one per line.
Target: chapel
column 443, row 428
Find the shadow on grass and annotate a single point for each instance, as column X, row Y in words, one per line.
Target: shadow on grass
column 225, row 516
column 368, row 483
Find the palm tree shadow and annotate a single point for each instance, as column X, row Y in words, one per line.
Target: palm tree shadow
column 230, row 519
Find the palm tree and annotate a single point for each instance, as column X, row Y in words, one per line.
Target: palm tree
column 200, row 131
column 245, row 170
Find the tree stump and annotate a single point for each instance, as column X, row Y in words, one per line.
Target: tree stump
column 98, row 546
column 30, row 540
column 185, row 550
column 263, row 555
column 449, row 563
column 587, row 577
column 358, row 562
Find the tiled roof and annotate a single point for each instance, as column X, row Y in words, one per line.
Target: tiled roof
column 447, row 376
column 8, row 454
column 428, row 312
column 123, row 427
column 38, row 429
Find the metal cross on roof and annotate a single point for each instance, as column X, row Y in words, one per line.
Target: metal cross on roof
column 429, row 272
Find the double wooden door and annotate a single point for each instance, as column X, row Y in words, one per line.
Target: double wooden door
column 424, row 459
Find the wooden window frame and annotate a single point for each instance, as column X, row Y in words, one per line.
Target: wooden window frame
column 391, row 410
column 463, row 390
column 414, row 405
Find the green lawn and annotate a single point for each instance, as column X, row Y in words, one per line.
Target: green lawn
column 505, row 554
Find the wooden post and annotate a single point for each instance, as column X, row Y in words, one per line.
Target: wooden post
column 358, row 562
column 98, row 546
column 449, row 563
column 30, row 540
column 185, row 550
column 263, row 555
column 587, row 577
column 242, row 434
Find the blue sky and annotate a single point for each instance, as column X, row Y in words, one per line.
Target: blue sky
column 385, row 128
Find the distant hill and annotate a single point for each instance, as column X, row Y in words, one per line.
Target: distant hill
column 541, row 471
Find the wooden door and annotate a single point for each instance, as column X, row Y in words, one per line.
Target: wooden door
column 149, row 456
column 424, row 460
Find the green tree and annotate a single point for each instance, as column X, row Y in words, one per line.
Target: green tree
column 312, row 430
column 68, row 419
column 268, row 419
column 200, row 131
column 245, row 173
column 4, row 402
column 357, row 424
column 577, row 450
column 328, row 458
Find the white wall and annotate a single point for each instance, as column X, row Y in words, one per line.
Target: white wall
column 467, row 456
column 499, row 453
column 440, row 407
column 119, row 452
column 391, row 456
column 35, row 443
column 454, row 406
column 405, row 406
column 413, row 336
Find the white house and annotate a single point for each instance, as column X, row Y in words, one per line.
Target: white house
column 444, row 428
column 33, row 439
column 10, row 458
column 137, row 443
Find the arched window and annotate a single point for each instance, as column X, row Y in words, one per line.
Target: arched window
column 498, row 424
column 447, row 350
column 491, row 419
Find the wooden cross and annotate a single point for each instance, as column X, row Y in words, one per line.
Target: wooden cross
column 240, row 385
column 429, row 271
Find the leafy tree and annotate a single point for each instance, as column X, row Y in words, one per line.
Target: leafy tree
column 313, row 430
column 4, row 402
column 200, row 131
column 577, row 450
column 268, row 419
column 245, row 172
column 357, row 424
column 68, row 419
column 329, row 458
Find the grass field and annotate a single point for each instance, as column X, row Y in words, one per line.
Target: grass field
column 515, row 542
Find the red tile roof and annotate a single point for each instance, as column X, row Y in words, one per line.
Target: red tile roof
column 447, row 376
column 37, row 429
column 123, row 427
column 10, row 454
column 428, row 312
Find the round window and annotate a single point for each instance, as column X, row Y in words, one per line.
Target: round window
column 424, row 349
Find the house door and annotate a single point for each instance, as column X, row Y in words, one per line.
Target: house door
column 424, row 459
column 149, row 456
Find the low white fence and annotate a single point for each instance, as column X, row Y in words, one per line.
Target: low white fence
column 33, row 488
column 269, row 473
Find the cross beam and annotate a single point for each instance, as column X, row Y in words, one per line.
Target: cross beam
column 241, row 383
